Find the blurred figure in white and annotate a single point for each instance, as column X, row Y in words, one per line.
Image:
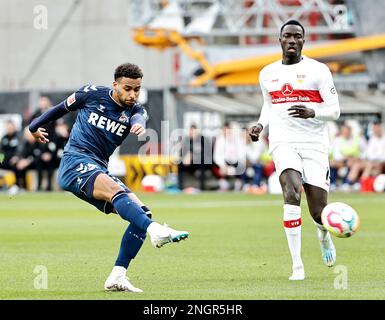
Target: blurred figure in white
column 230, row 156
column 347, row 151
column 257, row 157
column 373, row 163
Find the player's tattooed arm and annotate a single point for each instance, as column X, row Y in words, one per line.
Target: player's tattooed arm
column 300, row 111
column 255, row 131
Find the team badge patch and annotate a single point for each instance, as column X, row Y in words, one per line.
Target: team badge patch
column 287, row 89
column 71, row 99
column 123, row 117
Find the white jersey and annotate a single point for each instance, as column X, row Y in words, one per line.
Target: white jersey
column 376, row 149
column 308, row 83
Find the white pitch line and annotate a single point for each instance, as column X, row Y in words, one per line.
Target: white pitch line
column 256, row 203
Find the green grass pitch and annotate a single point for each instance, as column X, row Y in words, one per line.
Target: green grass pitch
column 237, row 250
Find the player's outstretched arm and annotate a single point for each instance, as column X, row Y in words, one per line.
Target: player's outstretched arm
column 74, row 102
column 52, row 114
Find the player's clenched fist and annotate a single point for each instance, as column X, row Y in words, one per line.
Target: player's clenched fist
column 137, row 129
column 255, row 131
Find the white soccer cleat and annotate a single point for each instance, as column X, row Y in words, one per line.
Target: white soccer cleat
column 329, row 255
column 120, row 284
column 165, row 234
column 298, row 273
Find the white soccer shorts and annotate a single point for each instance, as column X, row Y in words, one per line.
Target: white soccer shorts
column 312, row 164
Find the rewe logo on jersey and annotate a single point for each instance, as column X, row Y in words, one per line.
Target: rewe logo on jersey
column 287, row 89
column 106, row 124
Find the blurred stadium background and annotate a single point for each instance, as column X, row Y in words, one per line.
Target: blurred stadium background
column 201, row 61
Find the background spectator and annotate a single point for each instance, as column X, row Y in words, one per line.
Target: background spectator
column 230, row 156
column 9, row 145
column 43, row 105
column 25, row 159
column 257, row 158
column 347, row 150
column 373, row 163
column 196, row 157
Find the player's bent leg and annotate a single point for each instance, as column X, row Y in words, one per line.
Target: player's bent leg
column 291, row 183
column 159, row 237
column 106, row 188
column 317, row 200
column 291, row 186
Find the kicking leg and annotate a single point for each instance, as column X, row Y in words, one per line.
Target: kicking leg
column 291, row 184
column 317, row 200
column 130, row 208
column 105, row 188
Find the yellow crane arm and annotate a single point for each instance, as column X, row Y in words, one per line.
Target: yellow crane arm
column 245, row 71
column 233, row 70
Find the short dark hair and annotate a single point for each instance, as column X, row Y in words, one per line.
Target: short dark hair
column 293, row 22
column 128, row 70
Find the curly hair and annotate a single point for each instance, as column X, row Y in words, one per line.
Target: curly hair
column 128, row 70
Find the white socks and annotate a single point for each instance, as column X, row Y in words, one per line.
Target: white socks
column 292, row 224
column 117, row 272
column 322, row 233
column 155, row 228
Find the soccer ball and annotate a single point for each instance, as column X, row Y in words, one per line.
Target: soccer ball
column 340, row 219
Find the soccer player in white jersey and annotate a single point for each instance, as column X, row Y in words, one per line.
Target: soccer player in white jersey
column 299, row 97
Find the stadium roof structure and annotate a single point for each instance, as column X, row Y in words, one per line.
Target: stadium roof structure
column 223, row 18
column 189, row 24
